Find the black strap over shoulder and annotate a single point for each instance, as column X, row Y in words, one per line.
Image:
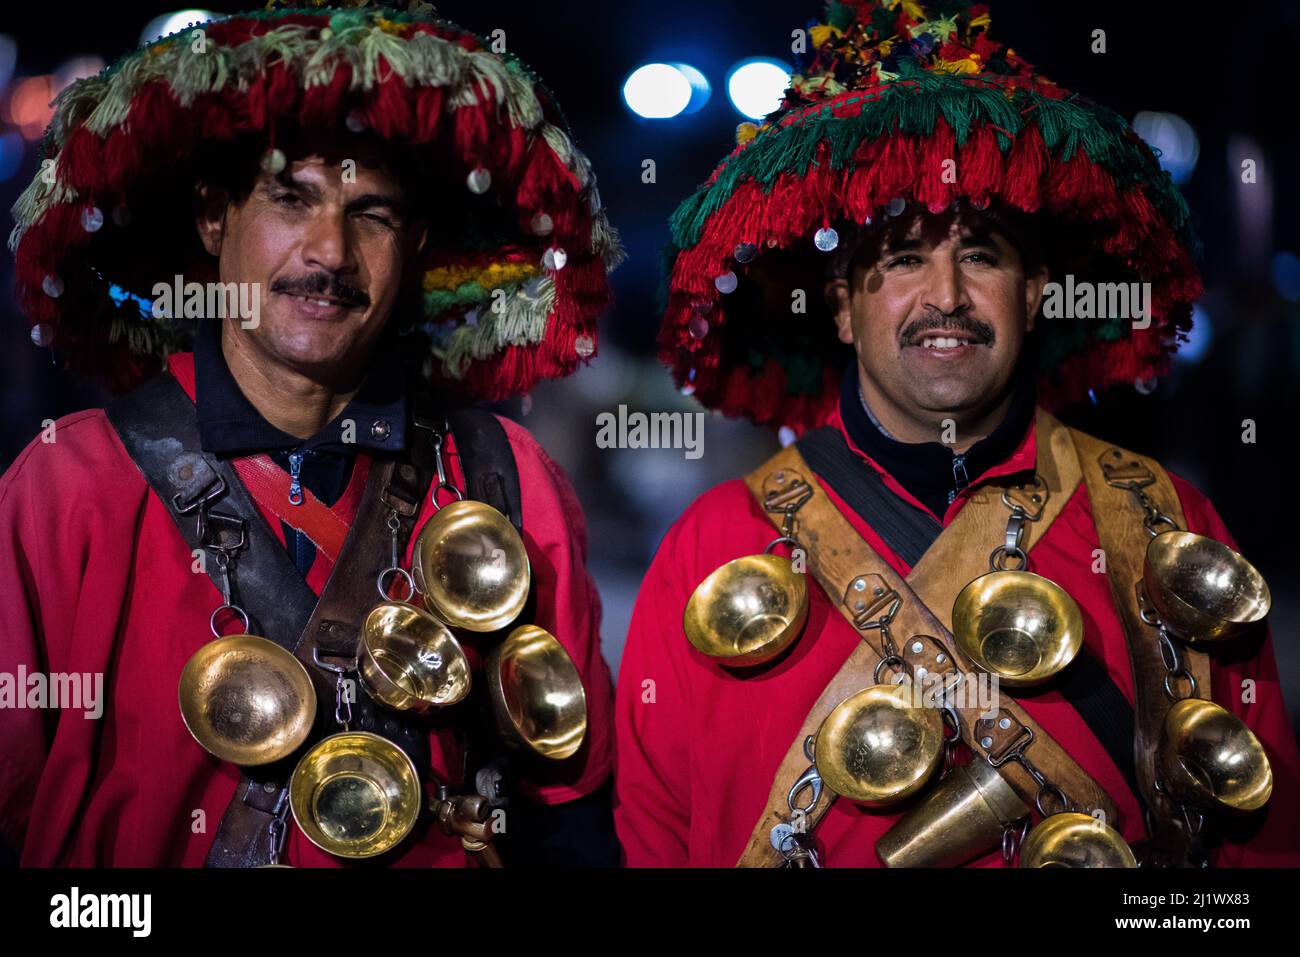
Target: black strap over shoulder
column 910, row 532
column 907, row 530
column 486, row 458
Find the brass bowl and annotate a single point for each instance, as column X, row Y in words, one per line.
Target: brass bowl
column 471, row 566
column 1201, row 588
column 537, row 695
column 876, row 747
column 748, row 611
column 247, row 700
column 409, row 661
column 1208, row 758
column 355, row 794
column 1072, row 839
column 1017, row 625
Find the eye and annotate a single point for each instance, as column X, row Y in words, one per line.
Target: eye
column 289, row 200
column 379, row 218
column 983, row 259
column 902, row 261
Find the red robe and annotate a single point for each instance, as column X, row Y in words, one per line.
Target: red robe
column 699, row 747
column 95, row 577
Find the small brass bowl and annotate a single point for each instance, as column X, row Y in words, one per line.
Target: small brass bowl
column 537, row 695
column 748, row 611
column 1208, row 758
column 471, row 566
column 1072, row 839
column 1017, row 625
column 1201, row 588
column 877, row 748
column 246, row 700
column 355, row 794
column 409, row 661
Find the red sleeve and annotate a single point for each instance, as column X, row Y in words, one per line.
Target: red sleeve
column 555, row 535
column 655, row 697
column 23, row 741
column 1244, row 679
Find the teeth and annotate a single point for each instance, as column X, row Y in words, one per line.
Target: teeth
column 938, row 342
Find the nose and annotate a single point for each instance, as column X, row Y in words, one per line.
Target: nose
column 327, row 244
column 947, row 289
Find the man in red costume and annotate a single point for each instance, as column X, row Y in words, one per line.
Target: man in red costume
column 335, row 232
column 918, row 177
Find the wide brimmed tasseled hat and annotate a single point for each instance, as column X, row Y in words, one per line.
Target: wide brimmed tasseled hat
column 90, row 241
column 905, row 106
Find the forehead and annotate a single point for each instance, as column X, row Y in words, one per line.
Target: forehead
column 933, row 229
column 318, row 157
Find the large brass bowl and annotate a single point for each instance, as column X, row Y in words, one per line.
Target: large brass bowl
column 247, row 700
column 1208, row 758
column 1017, row 625
column 355, row 794
column 748, row 611
column 409, row 660
column 876, row 748
column 537, row 695
column 1071, row 839
column 1201, row 588
column 471, row 566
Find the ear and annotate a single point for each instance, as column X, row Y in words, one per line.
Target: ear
column 840, row 299
column 210, row 204
column 1034, row 286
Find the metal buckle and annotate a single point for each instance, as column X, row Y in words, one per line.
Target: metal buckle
column 1124, row 473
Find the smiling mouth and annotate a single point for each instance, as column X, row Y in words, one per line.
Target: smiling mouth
column 947, row 340
column 319, row 301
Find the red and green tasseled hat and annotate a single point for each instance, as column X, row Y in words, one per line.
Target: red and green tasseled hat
column 895, row 88
column 510, row 301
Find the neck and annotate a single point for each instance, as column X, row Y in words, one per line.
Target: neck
column 291, row 401
column 923, row 425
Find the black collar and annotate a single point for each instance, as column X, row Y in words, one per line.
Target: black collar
column 229, row 423
column 931, row 470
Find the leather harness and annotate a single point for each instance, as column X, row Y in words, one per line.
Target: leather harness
column 213, row 512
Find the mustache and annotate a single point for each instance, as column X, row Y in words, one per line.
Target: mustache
column 977, row 329
column 322, row 285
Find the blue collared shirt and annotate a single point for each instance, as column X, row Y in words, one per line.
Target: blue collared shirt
column 230, row 425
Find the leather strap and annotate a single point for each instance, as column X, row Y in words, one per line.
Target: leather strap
column 1119, row 522
column 859, row 582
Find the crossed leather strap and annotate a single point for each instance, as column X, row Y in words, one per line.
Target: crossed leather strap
column 861, row 584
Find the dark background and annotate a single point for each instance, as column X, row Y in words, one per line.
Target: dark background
column 1221, row 67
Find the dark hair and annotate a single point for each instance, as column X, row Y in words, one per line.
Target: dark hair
column 1024, row 232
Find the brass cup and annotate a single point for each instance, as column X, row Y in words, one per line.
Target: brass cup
column 471, row 566
column 748, row 611
column 1201, row 588
column 355, row 794
column 1017, row 625
column 246, row 700
column 537, row 695
column 409, row 661
column 876, row 747
column 1208, row 758
column 964, row 816
column 1072, row 839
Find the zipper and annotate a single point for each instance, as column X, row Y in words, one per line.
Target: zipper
column 295, row 484
column 960, row 478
